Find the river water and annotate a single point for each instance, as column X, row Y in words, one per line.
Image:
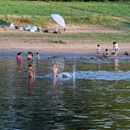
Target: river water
column 94, row 94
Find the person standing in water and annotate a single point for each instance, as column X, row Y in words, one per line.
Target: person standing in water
column 30, row 56
column 19, row 56
column 19, row 61
column 55, row 70
column 37, row 56
column 31, row 72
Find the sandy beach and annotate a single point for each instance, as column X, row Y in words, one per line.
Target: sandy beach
column 9, row 44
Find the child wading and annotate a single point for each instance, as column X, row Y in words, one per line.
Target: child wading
column 30, row 56
column 37, row 56
column 55, row 70
column 19, row 56
column 31, row 72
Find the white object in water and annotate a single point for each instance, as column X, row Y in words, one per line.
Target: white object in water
column 65, row 76
column 58, row 19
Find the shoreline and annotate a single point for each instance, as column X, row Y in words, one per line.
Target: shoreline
column 61, row 53
column 48, row 49
column 14, row 41
column 57, row 56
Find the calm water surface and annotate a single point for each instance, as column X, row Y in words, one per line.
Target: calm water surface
column 95, row 96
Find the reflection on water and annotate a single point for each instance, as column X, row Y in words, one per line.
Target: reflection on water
column 30, row 83
column 81, row 103
column 116, row 63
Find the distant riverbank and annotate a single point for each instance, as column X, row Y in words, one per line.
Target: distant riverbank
column 38, row 13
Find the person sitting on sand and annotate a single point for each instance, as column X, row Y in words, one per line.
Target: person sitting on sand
column 115, row 48
column 55, row 70
column 98, row 51
column 126, row 53
column 19, row 56
column 106, row 53
column 31, row 72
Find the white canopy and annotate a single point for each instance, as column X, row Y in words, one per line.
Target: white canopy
column 58, row 19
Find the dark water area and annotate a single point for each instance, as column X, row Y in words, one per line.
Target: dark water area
column 95, row 96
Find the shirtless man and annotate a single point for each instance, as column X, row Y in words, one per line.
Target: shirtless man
column 55, row 70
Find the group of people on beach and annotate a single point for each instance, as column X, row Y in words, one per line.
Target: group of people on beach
column 107, row 52
column 30, row 57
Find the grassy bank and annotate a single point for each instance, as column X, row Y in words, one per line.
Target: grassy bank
column 115, row 16
column 24, row 12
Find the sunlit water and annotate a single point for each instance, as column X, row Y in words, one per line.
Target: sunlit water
column 93, row 94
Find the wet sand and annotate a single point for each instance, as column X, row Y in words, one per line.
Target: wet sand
column 48, row 49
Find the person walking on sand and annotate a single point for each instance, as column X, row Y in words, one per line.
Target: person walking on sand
column 115, row 48
column 55, row 70
column 31, row 72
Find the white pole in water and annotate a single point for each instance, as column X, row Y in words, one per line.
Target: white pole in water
column 74, row 84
